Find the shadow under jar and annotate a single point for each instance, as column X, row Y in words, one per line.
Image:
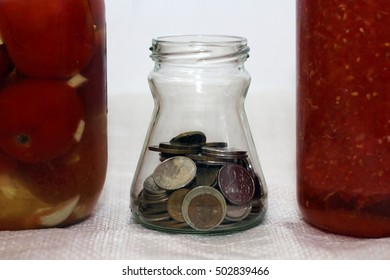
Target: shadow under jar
column 53, row 125
column 198, row 171
column 343, row 106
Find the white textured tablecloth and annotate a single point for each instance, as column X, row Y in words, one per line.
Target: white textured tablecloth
column 111, row 233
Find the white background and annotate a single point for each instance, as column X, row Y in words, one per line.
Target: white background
column 269, row 26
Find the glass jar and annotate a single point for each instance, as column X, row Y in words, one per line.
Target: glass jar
column 198, row 171
column 343, row 128
column 53, row 134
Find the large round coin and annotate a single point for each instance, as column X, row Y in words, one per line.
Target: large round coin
column 174, row 173
column 204, row 208
column 236, row 184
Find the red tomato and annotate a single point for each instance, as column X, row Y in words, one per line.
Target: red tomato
column 93, row 92
column 98, row 13
column 39, row 119
column 7, row 165
column 5, row 63
column 78, row 172
column 48, row 38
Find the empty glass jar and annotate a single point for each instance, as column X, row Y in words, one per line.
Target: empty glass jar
column 199, row 171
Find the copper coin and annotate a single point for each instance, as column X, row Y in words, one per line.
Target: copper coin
column 204, row 208
column 174, row 173
column 236, row 184
column 175, row 202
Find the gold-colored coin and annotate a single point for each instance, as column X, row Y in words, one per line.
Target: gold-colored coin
column 175, row 202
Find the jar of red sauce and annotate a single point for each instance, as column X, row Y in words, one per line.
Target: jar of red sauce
column 343, row 115
column 53, row 125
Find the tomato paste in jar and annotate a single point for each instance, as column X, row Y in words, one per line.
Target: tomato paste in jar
column 343, row 115
column 53, row 113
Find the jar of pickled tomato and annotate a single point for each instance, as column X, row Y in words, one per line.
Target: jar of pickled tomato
column 53, row 125
column 343, row 106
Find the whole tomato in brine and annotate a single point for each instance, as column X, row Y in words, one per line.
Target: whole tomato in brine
column 39, row 119
column 93, row 91
column 98, row 13
column 5, row 63
column 48, row 38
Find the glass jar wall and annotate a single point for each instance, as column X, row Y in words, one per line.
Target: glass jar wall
column 198, row 171
column 53, row 137
column 343, row 129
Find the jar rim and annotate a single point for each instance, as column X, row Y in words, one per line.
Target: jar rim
column 200, row 39
column 199, row 48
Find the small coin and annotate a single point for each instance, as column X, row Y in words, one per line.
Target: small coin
column 207, row 176
column 151, row 202
column 236, row 184
column 152, row 210
column 237, row 213
column 151, row 187
column 215, row 144
column 206, row 160
column 171, row 151
column 155, row 217
column 175, row 173
column 190, row 137
column 180, row 146
column 257, row 205
column 224, row 153
column 204, row 208
column 175, row 202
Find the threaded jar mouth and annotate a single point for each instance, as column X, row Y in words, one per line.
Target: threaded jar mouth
column 199, row 48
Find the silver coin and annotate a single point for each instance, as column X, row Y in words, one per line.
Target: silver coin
column 206, row 160
column 155, row 217
column 175, row 173
column 152, row 210
column 151, row 187
column 224, row 152
column 204, row 208
column 237, row 213
column 155, row 201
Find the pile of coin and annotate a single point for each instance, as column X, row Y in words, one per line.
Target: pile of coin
column 200, row 185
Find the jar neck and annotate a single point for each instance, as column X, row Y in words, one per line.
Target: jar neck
column 199, row 51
